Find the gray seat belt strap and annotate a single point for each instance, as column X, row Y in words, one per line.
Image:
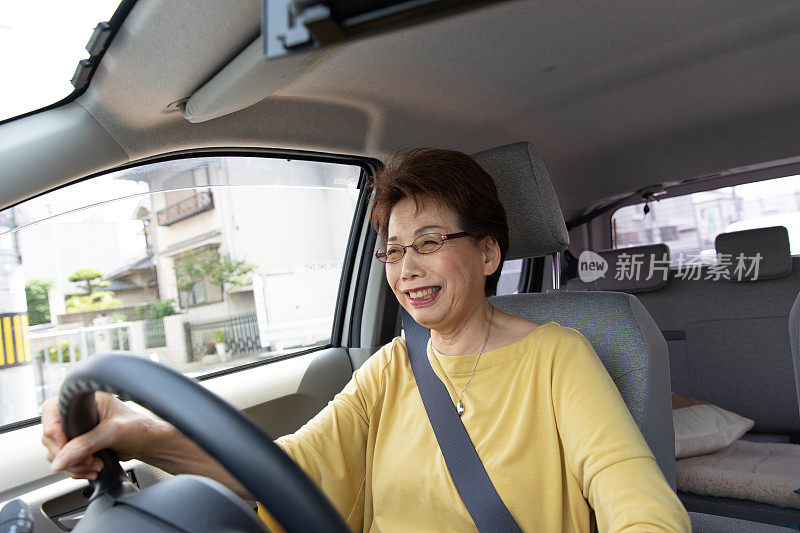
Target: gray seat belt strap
column 469, row 476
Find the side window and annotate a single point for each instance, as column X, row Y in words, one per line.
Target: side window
column 201, row 263
column 689, row 224
column 509, row 277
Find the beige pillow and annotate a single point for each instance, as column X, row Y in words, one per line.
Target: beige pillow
column 702, row 428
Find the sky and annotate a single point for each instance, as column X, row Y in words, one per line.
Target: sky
column 41, row 42
column 95, row 194
column 770, row 188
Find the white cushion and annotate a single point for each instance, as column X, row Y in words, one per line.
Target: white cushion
column 703, row 428
column 757, row 471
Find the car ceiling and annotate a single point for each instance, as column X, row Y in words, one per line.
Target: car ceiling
column 615, row 95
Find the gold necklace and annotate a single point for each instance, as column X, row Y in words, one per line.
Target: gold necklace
column 459, row 397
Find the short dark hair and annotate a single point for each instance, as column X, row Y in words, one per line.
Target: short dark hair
column 452, row 178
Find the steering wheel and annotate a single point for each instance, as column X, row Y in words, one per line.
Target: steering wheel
column 188, row 503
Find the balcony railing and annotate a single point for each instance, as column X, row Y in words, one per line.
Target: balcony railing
column 201, row 201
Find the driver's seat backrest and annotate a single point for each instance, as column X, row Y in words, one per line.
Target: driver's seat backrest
column 630, row 346
column 621, row 331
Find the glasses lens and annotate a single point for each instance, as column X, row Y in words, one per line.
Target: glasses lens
column 393, row 253
column 428, row 243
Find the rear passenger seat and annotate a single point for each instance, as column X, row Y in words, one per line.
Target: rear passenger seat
column 728, row 343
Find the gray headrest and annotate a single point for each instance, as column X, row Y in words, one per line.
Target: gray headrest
column 772, row 244
column 535, row 223
column 639, row 269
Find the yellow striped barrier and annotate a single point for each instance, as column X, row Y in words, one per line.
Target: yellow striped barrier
column 15, row 349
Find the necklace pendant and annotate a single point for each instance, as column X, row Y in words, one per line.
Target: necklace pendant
column 460, row 408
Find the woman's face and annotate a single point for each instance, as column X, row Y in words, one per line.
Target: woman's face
column 439, row 289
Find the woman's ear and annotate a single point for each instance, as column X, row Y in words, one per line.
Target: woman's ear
column 490, row 249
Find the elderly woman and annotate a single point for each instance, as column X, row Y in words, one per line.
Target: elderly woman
column 549, row 426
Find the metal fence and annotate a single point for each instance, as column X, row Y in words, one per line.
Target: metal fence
column 69, row 345
column 238, row 333
column 154, row 336
column 56, row 350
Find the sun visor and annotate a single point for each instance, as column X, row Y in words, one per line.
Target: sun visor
column 298, row 34
column 247, row 80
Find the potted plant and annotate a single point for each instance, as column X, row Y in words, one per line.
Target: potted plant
column 219, row 344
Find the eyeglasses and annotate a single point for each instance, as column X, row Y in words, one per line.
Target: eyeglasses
column 424, row 244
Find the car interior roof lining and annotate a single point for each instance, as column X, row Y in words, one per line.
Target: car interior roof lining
column 648, row 94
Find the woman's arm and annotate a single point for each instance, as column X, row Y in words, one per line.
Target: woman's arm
column 330, row 448
column 171, row 451
column 132, row 435
column 605, row 449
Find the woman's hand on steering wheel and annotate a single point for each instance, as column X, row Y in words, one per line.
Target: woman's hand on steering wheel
column 121, row 429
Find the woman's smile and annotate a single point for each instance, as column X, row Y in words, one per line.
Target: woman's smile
column 423, row 295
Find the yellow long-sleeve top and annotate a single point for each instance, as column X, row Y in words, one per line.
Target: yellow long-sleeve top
column 545, row 418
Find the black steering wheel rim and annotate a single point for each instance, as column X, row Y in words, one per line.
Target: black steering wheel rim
column 252, row 458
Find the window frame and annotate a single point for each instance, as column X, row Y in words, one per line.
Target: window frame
column 188, row 297
column 345, row 301
column 210, row 295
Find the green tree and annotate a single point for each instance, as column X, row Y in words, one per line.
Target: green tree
column 91, row 277
column 212, row 266
column 189, row 269
column 38, row 302
column 92, row 302
column 159, row 309
column 94, row 299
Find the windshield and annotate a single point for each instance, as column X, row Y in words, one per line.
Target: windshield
column 41, row 42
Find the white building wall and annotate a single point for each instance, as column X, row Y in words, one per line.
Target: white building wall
column 282, row 230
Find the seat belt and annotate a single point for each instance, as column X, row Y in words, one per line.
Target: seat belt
column 469, row 476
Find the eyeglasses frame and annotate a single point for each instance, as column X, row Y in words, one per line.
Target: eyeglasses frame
column 445, row 237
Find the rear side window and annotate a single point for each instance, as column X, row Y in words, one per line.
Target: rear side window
column 202, row 263
column 689, row 224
